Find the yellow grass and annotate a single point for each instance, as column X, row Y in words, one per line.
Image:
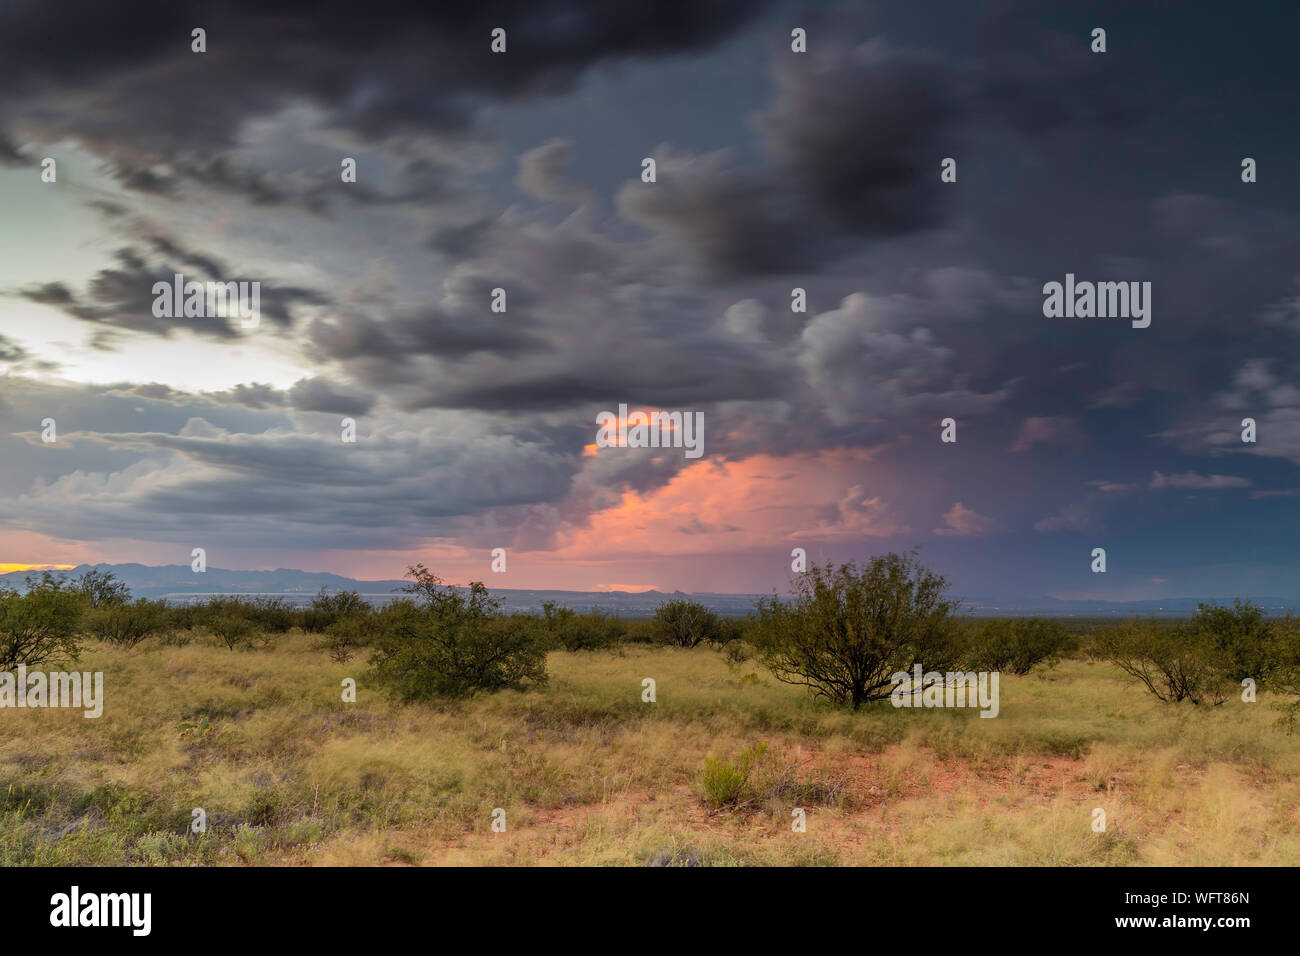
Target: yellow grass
column 587, row 773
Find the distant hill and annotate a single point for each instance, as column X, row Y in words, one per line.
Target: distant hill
column 177, row 583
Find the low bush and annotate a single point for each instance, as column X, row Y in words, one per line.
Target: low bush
column 231, row 620
column 447, row 642
column 847, row 630
column 565, row 628
column 329, row 608
column 1015, row 645
column 1170, row 662
column 729, row 784
column 127, row 624
column 688, row 624
column 345, row 636
column 40, row 626
column 1206, row 659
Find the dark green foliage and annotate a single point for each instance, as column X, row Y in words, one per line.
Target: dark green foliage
column 638, row 631
column 232, row 620
column 327, row 609
column 447, row 643
column 127, row 624
column 688, row 624
column 40, row 626
column 100, row 589
column 1240, row 640
column 1015, row 645
column 565, row 628
column 1169, row 661
column 1205, row 659
column 348, row 634
column 848, row 630
column 272, row 615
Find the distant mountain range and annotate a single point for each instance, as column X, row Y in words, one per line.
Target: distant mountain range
column 177, row 583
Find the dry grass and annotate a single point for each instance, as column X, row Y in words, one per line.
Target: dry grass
column 589, row 774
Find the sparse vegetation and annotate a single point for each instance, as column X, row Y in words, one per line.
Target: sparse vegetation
column 232, row 620
column 707, row 775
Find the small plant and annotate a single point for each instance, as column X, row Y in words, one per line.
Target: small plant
column 194, row 729
column 737, row 653
column 346, row 635
column 729, row 784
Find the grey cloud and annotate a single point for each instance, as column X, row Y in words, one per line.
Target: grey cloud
column 541, row 173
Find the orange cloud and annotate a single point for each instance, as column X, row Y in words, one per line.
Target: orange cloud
column 734, row 506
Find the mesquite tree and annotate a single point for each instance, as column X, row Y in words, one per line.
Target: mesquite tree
column 847, row 631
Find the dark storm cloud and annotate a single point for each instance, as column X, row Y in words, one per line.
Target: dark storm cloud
column 307, row 395
column 196, row 463
column 464, row 240
column 127, row 72
column 861, row 135
column 122, row 298
column 9, row 155
column 1038, row 79
column 924, row 297
column 318, row 395
column 854, row 137
column 405, row 338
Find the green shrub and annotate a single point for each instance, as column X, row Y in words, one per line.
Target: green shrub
column 231, row 620
column 848, row 630
column 40, row 626
column 1171, row 662
column 126, row 625
column 1285, row 679
column 100, row 588
column 447, row 643
column 563, row 627
column 730, row 785
column 1240, row 640
column 738, row 652
column 345, row 636
column 327, row 609
column 182, row 623
column 271, row 615
column 1205, row 659
column 638, row 631
column 687, row 624
column 1015, row 645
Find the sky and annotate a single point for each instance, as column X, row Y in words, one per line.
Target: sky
column 775, row 170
